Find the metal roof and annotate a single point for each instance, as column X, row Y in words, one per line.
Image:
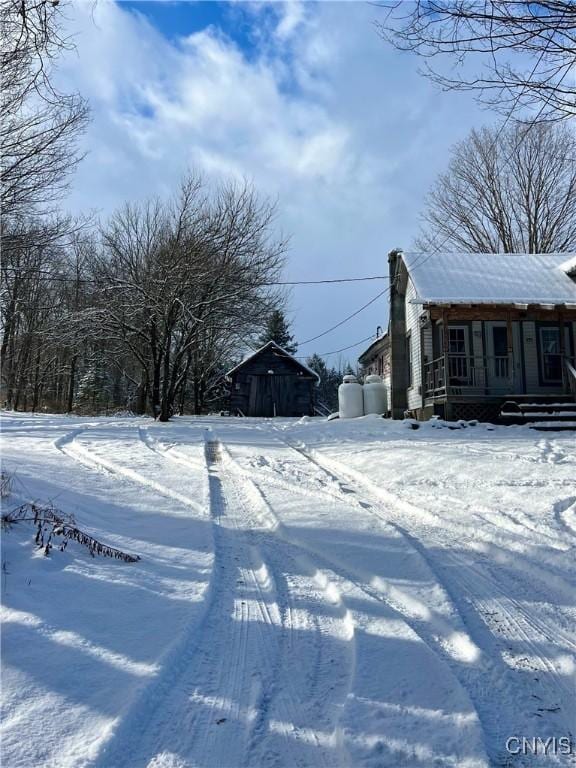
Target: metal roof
column 282, row 351
column 491, row 278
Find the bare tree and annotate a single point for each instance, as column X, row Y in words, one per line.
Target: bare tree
column 36, row 268
column 510, row 190
column 176, row 275
column 525, row 50
column 39, row 129
column 145, row 315
column 39, row 124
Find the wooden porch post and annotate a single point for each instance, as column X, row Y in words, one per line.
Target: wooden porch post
column 445, row 348
column 422, row 370
column 510, row 347
column 565, row 386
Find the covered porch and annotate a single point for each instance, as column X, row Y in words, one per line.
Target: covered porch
column 485, row 353
column 453, row 375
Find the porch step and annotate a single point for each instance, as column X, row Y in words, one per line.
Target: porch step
column 547, row 415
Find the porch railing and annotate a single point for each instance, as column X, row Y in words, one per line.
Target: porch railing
column 460, row 374
column 570, row 374
column 451, row 373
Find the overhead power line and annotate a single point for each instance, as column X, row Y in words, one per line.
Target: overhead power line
column 336, row 351
column 452, row 232
column 357, row 312
column 334, row 280
column 47, row 275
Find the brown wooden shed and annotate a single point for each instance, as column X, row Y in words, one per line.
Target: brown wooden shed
column 270, row 382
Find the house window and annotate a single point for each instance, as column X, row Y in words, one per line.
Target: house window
column 409, row 357
column 457, row 360
column 457, row 341
column 550, row 358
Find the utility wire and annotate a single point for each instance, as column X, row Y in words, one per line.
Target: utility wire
column 336, row 351
column 452, row 232
column 357, row 312
column 417, row 263
column 335, row 280
column 47, row 275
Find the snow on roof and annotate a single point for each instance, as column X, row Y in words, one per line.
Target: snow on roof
column 372, row 345
column 492, row 278
column 569, row 266
column 281, row 350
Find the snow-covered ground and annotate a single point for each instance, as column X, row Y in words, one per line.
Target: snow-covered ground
column 309, row 593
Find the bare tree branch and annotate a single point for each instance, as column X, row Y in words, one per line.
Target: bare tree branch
column 510, row 191
column 523, row 53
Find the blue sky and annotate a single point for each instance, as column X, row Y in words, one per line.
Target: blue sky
column 303, row 99
column 179, row 19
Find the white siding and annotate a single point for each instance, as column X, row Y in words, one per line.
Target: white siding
column 530, row 357
column 427, row 348
column 413, row 312
column 387, row 384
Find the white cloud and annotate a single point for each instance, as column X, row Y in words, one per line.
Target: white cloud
column 322, row 116
column 291, row 17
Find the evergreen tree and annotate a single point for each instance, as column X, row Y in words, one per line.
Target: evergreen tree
column 94, row 389
column 348, row 370
column 278, row 330
column 330, row 379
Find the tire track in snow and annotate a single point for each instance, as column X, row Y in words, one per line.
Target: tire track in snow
column 126, row 734
column 401, row 606
column 475, row 618
column 325, row 710
column 69, row 445
column 256, row 687
column 550, row 453
column 182, row 719
column 565, row 515
column 400, row 507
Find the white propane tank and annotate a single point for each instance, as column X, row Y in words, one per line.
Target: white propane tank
column 350, row 399
column 374, row 394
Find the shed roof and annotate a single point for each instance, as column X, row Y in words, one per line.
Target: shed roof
column 491, row 278
column 278, row 350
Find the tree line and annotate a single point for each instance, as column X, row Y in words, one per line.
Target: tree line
column 145, row 312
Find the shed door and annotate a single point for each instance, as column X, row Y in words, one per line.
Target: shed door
column 282, row 395
column 255, row 404
column 271, row 395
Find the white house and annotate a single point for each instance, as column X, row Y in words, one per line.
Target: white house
column 470, row 331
